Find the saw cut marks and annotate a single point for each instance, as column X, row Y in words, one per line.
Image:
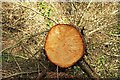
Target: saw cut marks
column 64, row 45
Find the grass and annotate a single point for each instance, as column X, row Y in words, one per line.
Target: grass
column 7, row 57
column 46, row 10
column 118, row 30
column 97, row 15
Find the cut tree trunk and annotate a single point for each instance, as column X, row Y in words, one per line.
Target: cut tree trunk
column 64, row 45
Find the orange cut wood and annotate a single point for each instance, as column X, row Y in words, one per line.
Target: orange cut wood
column 64, row 45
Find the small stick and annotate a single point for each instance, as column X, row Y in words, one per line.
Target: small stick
column 17, row 63
column 17, row 74
column 97, row 29
column 41, row 75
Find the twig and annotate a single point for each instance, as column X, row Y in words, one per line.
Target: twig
column 12, row 46
column 98, row 29
column 36, row 53
column 17, row 74
column 41, row 75
column 38, row 13
column 17, row 63
column 27, row 49
column 21, row 57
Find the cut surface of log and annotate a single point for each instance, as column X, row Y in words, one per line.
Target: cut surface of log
column 64, row 45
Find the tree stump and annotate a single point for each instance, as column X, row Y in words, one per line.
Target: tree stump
column 64, row 45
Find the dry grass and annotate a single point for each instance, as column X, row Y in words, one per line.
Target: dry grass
column 102, row 33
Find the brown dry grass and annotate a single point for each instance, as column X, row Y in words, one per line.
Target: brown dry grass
column 102, row 33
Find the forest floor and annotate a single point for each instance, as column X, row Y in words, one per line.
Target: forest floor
column 23, row 40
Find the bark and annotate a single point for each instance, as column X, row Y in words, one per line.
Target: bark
column 88, row 70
